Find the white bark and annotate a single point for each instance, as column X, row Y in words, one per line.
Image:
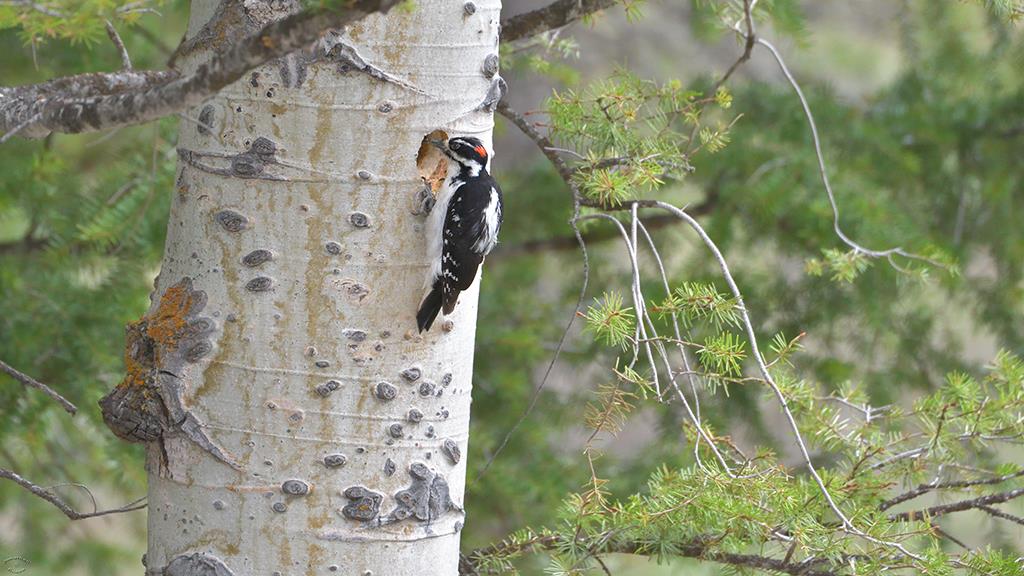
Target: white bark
column 334, row 201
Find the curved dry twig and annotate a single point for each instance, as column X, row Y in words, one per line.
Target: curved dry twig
column 936, row 485
column 33, row 383
column 748, row 326
column 973, row 503
column 638, row 303
column 63, row 506
column 126, row 61
column 521, row 122
column 823, row 171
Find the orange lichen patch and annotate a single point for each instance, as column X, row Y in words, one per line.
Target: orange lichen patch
column 136, row 371
column 431, row 162
column 155, row 335
column 168, row 322
column 149, row 400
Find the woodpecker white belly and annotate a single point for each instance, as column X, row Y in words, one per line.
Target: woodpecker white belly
column 435, row 223
column 462, row 227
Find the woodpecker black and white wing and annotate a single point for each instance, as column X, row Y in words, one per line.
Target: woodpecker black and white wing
column 465, row 234
column 485, row 230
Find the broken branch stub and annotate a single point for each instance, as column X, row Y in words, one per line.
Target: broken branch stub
column 147, row 405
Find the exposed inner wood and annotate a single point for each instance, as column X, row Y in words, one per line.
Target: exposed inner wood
column 432, row 164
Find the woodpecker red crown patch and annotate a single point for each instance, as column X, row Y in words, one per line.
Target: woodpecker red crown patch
column 481, row 151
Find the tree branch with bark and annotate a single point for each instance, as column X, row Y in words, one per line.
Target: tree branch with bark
column 101, row 101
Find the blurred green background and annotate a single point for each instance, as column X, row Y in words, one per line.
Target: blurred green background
column 921, row 109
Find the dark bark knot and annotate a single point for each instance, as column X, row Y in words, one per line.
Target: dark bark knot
column 355, row 335
column 257, row 258
column 336, row 460
column 451, row 451
column 206, row 119
column 491, row 63
column 359, row 220
column 364, row 503
column 494, row 95
column 295, row 487
column 325, row 389
column 259, row 284
column 231, row 221
column 427, row 498
column 385, row 391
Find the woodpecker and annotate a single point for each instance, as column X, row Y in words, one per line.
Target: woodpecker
column 462, row 227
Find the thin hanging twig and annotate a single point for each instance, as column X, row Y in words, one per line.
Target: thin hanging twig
column 33, row 383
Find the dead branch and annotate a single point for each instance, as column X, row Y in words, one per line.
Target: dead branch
column 978, row 503
column 925, row 488
column 63, row 506
column 554, row 15
column 126, row 61
column 33, row 383
column 80, row 107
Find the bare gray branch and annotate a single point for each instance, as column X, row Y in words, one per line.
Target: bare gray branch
column 33, row 383
column 554, row 15
column 64, row 506
column 80, row 107
column 126, row 61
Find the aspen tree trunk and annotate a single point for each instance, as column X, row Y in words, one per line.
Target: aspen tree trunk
column 312, row 430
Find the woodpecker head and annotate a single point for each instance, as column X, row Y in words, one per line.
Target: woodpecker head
column 466, row 150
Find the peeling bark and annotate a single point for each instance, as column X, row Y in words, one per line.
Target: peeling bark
column 298, row 217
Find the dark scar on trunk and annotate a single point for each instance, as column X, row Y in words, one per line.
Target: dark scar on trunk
column 426, row 499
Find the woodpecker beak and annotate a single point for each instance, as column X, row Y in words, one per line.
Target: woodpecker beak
column 442, row 145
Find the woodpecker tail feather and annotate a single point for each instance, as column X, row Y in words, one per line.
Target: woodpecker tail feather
column 431, row 306
column 450, row 299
